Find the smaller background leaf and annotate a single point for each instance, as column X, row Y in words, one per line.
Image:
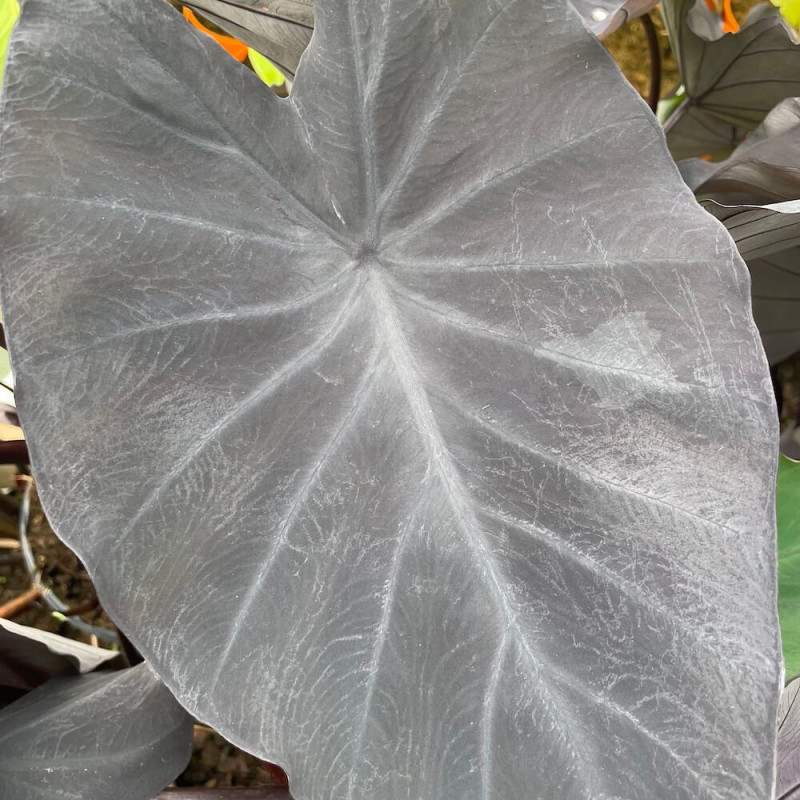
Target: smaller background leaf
column 760, row 230
column 788, row 783
column 732, row 80
column 768, row 238
column 788, row 513
column 117, row 736
column 280, row 30
column 764, row 168
column 740, row 191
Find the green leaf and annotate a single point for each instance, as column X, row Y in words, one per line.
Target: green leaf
column 265, row 69
column 788, row 512
column 668, row 104
column 9, row 11
column 790, row 11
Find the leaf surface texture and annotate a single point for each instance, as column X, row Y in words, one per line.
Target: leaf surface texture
column 391, row 418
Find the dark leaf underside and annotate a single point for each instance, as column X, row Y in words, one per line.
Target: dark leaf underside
column 769, row 239
column 119, row 736
column 29, row 657
column 731, row 82
column 279, row 30
column 763, row 169
column 738, row 192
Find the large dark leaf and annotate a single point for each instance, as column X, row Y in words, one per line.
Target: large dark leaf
column 119, row 736
column 767, row 234
column 731, row 82
column 398, row 428
column 764, row 168
column 768, row 237
column 280, row 29
column 760, row 230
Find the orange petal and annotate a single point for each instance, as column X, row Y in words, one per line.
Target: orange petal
column 231, row 45
column 729, row 23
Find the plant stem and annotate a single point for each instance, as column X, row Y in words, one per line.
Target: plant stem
column 128, row 652
column 654, row 94
column 82, row 608
column 13, row 607
column 14, row 452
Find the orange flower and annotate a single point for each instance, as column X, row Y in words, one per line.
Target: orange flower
column 723, row 8
column 231, row 45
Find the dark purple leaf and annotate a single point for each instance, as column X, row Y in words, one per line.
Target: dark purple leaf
column 768, row 238
column 776, row 301
column 397, row 426
column 29, row 657
column 731, row 82
column 759, row 230
column 114, row 736
column 279, row 30
column 767, row 234
column 764, row 168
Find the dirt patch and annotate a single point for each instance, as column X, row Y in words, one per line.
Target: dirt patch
column 60, row 571
column 217, row 764
column 628, row 45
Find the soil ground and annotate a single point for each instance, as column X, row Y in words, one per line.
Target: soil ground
column 628, row 45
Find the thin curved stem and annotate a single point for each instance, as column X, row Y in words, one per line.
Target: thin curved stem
column 654, row 94
column 14, row 452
